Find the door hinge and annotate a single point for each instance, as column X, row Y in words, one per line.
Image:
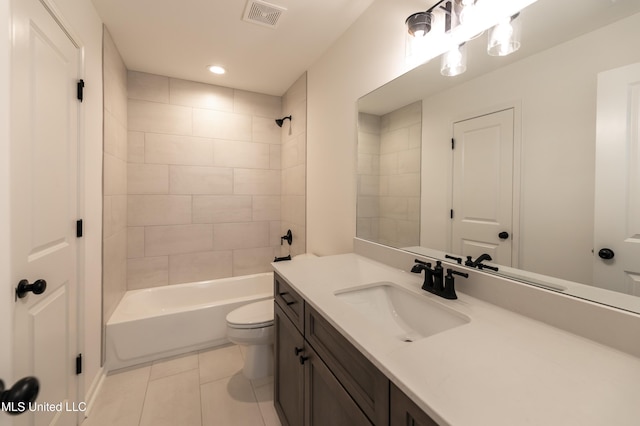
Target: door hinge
column 79, row 228
column 80, row 90
column 453, row 143
column 451, row 214
column 79, row 364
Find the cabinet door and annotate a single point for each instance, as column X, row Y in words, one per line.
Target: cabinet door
column 326, row 401
column 288, row 391
column 368, row 387
column 405, row 412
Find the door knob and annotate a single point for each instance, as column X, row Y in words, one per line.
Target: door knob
column 24, row 287
column 606, row 253
column 17, row 399
column 503, row 235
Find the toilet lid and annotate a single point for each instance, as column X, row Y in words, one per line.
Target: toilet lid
column 253, row 315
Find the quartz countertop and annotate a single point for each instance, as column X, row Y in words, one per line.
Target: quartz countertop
column 500, row 368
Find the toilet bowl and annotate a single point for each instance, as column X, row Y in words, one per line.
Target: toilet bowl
column 252, row 326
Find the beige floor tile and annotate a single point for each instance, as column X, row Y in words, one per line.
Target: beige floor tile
column 121, row 399
column 263, row 390
column 173, row 400
column 169, row 367
column 230, row 401
column 205, row 388
column 220, row 363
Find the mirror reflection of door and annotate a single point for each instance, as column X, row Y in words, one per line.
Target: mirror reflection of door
column 482, row 196
column 617, row 211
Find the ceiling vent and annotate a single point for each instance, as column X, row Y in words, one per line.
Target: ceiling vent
column 263, row 13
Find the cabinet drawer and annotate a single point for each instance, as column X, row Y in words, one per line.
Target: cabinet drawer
column 292, row 303
column 368, row 387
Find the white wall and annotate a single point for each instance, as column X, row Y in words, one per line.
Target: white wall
column 368, row 55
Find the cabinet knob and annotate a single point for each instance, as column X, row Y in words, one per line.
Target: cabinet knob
column 297, row 350
column 303, row 359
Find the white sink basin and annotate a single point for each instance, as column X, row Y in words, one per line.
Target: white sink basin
column 400, row 313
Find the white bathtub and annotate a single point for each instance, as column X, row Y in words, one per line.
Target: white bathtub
column 164, row 321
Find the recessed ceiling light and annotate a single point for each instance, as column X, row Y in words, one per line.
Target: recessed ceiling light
column 216, row 69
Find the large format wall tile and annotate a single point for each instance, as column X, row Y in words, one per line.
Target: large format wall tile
column 205, row 177
column 145, row 210
column 176, row 239
column 200, row 180
column 159, row 118
column 177, row 149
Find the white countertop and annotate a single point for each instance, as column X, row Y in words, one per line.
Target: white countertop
column 499, row 369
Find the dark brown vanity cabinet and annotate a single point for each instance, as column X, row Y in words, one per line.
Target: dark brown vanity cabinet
column 320, row 378
column 405, row 412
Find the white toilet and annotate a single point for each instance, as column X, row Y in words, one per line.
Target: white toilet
column 252, row 326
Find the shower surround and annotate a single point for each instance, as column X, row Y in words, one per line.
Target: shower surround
column 204, row 180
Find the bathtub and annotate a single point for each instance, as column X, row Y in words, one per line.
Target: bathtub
column 159, row 322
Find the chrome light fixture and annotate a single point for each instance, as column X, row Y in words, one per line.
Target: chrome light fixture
column 454, row 62
column 504, row 38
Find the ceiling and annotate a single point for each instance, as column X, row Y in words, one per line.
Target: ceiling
column 181, row 38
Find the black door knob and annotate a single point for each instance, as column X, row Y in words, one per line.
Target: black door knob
column 503, row 235
column 606, row 253
column 24, row 287
column 17, row 399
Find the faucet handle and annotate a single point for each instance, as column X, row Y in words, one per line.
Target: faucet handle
column 449, row 284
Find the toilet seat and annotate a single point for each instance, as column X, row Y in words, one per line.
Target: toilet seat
column 253, row 315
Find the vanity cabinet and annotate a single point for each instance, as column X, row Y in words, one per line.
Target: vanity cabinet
column 405, row 412
column 320, row 378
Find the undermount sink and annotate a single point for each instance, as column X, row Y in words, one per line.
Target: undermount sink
column 400, row 313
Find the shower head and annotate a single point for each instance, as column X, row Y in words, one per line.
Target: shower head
column 280, row 121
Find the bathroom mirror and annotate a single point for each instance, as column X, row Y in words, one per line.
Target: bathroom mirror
column 550, row 97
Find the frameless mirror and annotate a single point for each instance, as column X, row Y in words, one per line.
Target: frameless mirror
column 543, row 174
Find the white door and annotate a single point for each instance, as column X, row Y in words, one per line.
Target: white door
column 617, row 196
column 44, row 165
column 483, row 186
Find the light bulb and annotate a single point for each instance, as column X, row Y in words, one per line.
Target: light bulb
column 504, row 38
column 454, row 62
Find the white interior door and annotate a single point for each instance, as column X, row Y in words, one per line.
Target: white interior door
column 617, row 196
column 44, row 164
column 483, row 186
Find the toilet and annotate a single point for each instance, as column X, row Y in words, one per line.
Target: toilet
column 252, row 326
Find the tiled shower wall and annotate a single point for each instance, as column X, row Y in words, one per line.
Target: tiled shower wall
column 389, row 176
column 204, row 181
column 368, row 207
column 114, row 221
column 400, row 141
column 294, row 143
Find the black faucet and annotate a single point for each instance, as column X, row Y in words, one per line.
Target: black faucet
column 434, row 280
column 476, row 263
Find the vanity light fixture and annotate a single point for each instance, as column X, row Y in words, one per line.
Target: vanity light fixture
column 419, row 24
column 454, row 62
column 216, row 69
column 454, row 23
column 466, row 10
column 504, row 38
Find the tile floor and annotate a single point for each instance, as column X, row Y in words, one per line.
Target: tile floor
column 198, row 389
